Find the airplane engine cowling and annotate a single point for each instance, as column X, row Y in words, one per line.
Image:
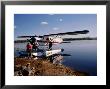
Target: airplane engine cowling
column 57, row 40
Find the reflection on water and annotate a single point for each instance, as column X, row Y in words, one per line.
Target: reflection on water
column 83, row 55
column 58, row 59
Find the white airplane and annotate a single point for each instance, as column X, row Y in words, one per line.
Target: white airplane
column 55, row 38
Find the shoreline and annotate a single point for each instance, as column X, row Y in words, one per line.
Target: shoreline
column 43, row 67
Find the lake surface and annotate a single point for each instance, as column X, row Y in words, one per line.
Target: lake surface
column 83, row 55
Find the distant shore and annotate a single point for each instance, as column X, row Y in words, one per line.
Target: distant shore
column 44, row 67
column 73, row 39
column 64, row 39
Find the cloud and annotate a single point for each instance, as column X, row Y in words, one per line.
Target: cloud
column 15, row 27
column 55, row 28
column 60, row 20
column 44, row 23
column 51, row 14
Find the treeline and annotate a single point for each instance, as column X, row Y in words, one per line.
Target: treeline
column 71, row 39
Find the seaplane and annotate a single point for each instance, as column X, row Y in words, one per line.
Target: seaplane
column 54, row 38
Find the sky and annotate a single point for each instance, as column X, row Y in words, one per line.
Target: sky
column 44, row 24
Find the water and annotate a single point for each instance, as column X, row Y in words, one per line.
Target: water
column 83, row 55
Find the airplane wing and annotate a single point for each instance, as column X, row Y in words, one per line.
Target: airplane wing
column 29, row 36
column 70, row 33
column 65, row 33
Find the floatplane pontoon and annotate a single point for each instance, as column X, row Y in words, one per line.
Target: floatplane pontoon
column 41, row 53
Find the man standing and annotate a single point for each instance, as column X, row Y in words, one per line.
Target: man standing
column 32, row 40
column 50, row 44
column 49, row 41
column 35, row 46
column 29, row 50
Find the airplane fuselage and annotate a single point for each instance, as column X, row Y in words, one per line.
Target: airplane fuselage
column 54, row 40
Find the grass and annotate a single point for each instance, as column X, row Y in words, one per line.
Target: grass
column 44, row 67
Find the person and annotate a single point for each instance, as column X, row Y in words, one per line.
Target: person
column 29, row 50
column 32, row 40
column 35, row 45
column 50, row 44
column 49, row 41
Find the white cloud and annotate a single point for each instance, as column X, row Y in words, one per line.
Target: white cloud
column 44, row 23
column 55, row 28
column 15, row 27
column 60, row 20
column 51, row 14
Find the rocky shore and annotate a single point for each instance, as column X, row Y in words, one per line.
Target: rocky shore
column 42, row 67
